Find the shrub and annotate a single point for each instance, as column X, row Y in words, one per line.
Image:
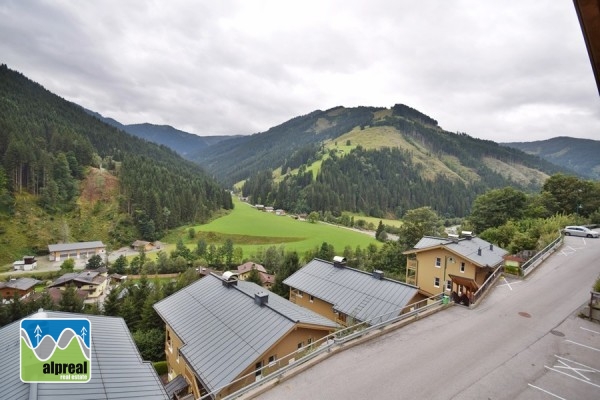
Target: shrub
column 161, row 367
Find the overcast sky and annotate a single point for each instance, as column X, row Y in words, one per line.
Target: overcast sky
column 500, row 70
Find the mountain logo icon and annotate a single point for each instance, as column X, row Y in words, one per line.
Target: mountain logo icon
column 56, row 350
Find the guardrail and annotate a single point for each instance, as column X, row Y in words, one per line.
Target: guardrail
column 488, row 282
column 536, row 260
column 276, row 369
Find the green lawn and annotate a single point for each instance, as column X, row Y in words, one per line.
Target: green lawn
column 251, row 229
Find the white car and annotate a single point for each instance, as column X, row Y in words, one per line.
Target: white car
column 580, row 231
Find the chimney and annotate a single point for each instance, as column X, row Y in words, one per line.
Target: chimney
column 491, row 247
column 454, row 237
column 261, row 299
column 378, row 274
column 339, row 261
column 467, row 234
column 479, row 251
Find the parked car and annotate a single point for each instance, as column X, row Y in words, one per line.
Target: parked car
column 580, row 231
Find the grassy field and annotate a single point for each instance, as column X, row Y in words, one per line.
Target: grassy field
column 375, row 221
column 251, row 229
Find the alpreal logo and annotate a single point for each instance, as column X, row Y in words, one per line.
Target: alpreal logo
column 56, row 350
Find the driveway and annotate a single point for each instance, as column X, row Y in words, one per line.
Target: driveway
column 509, row 347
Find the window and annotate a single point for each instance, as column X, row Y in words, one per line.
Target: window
column 300, row 345
column 436, row 282
column 169, row 343
column 177, row 357
column 257, row 368
column 438, row 262
column 312, row 298
column 462, row 267
column 272, row 359
column 309, row 341
column 299, row 293
column 448, row 285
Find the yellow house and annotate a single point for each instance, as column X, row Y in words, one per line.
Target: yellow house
column 347, row 295
column 223, row 334
column 456, row 266
column 243, row 272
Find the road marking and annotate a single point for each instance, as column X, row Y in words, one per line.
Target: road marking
column 583, row 345
column 547, row 392
column 574, row 377
column 589, row 330
column 508, row 283
column 578, row 371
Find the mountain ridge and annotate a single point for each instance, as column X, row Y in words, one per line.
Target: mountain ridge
column 577, row 154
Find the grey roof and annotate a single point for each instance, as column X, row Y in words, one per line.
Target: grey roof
column 467, row 248
column 75, row 246
column 21, row 283
column 224, row 330
column 118, row 371
column 176, row 385
column 85, row 276
column 353, row 292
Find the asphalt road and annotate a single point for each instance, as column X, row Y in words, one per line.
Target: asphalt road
column 524, row 341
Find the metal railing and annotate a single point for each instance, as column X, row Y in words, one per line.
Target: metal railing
column 276, row 369
column 486, row 285
column 536, row 260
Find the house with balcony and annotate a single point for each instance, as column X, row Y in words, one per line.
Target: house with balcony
column 92, row 282
column 347, row 295
column 223, row 334
column 455, row 266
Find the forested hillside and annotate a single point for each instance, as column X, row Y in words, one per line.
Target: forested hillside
column 579, row 155
column 48, row 145
column 377, row 161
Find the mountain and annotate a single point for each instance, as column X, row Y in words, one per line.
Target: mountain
column 67, row 176
column 579, row 155
column 184, row 143
column 379, row 161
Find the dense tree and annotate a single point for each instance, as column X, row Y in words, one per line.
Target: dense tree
column 120, row 265
column 254, row 277
column 95, row 262
column 497, row 206
column 418, row 223
column 70, row 300
column 67, row 266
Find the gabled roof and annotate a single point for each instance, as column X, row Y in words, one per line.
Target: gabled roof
column 118, row 371
column 467, row 248
column 224, row 331
column 353, row 292
column 20, row 284
column 248, row 266
column 86, row 277
column 75, row 246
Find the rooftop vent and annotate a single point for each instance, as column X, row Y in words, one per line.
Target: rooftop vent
column 491, row 247
column 339, row 261
column 261, row 298
column 378, row 274
column 229, row 279
column 479, row 251
column 454, row 237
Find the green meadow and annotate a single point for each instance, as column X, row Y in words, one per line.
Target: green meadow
column 251, row 229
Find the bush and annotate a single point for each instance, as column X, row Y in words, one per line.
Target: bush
column 597, row 286
column 161, row 367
